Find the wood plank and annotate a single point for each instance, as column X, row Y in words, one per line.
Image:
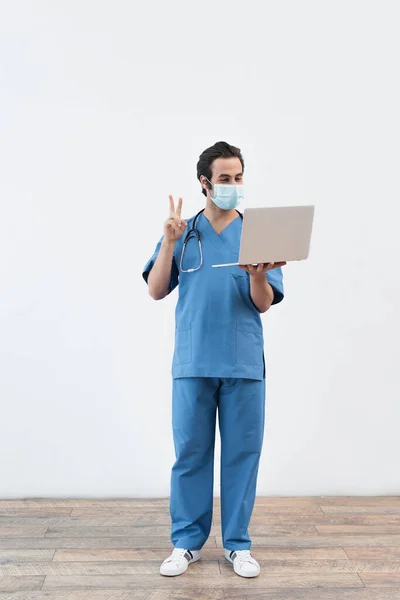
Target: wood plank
column 102, row 542
column 89, row 521
column 381, row 580
column 12, row 584
column 327, row 500
column 201, row 594
column 26, row 555
column 373, row 553
column 84, row 502
column 209, row 568
column 206, row 554
column 135, row 511
column 194, row 578
column 197, row 593
column 100, row 554
column 72, row 569
column 22, row 531
column 164, row 501
column 164, row 531
column 375, row 510
column 215, row 541
column 35, row 511
column 144, row 510
column 312, row 594
column 155, row 518
column 318, row 566
column 320, row 540
column 381, row 529
column 341, row 519
column 359, row 501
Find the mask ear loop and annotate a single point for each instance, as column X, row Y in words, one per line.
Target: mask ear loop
column 209, row 190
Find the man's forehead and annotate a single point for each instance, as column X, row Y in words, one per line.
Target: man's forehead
column 229, row 174
column 227, row 167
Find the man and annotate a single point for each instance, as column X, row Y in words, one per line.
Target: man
column 218, row 362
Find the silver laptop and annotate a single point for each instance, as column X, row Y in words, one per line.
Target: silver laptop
column 275, row 234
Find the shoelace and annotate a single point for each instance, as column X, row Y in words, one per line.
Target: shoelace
column 243, row 556
column 177, row 554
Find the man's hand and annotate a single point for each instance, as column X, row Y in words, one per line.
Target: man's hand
column 261, row 291
column 260, row 270
column 174, row 227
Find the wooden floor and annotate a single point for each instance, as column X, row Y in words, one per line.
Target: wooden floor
column 317, row 548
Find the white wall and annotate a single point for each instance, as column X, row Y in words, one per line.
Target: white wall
column 105, row 108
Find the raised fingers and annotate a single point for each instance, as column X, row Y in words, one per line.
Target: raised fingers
column 179, row 208
column 171, row 206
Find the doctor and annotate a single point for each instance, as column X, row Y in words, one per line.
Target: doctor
column 218, row 362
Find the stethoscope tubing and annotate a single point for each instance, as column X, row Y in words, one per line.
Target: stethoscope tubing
column 196, row 232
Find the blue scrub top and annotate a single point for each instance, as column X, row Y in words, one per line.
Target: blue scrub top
column 218, row 328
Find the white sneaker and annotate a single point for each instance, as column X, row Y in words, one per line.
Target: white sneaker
column 179, row 560
column 243, row 563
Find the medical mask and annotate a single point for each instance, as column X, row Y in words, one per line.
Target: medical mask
column 227, row 196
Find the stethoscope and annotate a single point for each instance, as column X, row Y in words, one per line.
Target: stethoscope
column 196, row 233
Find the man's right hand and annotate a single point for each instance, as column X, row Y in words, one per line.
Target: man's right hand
column 175, row 226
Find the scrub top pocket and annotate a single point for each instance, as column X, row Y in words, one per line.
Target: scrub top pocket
column 249, row 346
column 241, row 285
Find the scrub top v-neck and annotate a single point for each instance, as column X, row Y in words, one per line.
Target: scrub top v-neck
column 218, row 328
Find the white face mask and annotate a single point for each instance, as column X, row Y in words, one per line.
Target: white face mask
column 227, row 196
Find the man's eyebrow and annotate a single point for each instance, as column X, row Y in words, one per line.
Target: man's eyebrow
column 226, row 174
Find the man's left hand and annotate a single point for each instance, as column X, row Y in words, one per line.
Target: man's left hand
column 261, row 268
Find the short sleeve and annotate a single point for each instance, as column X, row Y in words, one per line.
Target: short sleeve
column 174, row 269
column 275, row 279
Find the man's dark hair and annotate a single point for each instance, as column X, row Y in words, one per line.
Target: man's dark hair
column 218, row 150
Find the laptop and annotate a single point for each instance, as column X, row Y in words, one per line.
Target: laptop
column 275, row 234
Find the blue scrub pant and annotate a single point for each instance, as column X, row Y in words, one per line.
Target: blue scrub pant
column 241, row 415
